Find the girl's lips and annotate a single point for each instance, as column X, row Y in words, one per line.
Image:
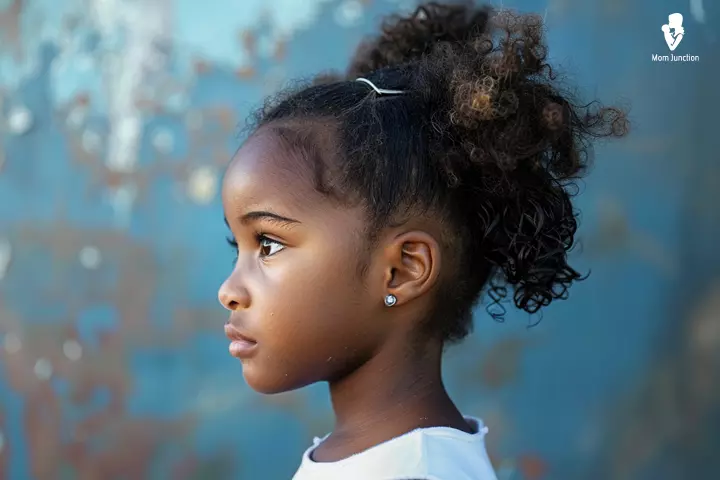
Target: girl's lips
column 241, row 346
column 234, row 335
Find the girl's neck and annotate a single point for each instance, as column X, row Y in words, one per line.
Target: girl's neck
column 391, row 394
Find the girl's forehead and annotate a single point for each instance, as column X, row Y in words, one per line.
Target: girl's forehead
column 263, row 163
column 265, row 172
column 266, row 154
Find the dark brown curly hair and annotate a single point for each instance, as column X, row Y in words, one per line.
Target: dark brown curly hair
column 483, row 139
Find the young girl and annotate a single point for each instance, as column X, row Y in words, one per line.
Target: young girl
column 369, row 211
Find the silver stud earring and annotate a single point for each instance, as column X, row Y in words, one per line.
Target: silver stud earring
column 390, row 300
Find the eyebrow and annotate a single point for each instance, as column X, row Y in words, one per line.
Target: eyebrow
column 254, row 216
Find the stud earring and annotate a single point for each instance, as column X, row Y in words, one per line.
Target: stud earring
column 390, row 300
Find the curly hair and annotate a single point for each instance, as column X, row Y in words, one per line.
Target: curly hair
column 482, row 138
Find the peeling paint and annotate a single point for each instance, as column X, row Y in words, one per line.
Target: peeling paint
column 92, row 141
column 72, row 350
column 203, row 185
column 349, row 13
column 77, row 117
column 90, row 257
column 43, row 369
column 122, row 200
column 19, row 120
column 11, row 343
column 144, row 28
column 163, row 141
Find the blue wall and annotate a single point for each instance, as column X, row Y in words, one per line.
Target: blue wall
column 116, row 120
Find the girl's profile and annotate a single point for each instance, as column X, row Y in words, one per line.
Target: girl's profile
column 372, row 210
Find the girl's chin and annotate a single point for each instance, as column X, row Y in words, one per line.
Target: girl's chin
column 270, row 383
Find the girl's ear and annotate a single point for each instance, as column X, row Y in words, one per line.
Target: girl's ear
column 413, row 266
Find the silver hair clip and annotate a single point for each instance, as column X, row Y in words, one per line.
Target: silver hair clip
column 380, row 91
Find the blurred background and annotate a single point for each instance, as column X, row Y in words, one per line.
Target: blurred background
column 117, row 118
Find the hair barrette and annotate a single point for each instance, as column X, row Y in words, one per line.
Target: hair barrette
column 380, row 91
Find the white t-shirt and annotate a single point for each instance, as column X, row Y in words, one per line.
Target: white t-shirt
column 435, row 453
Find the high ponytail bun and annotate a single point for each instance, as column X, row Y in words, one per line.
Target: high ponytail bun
column 405, row 39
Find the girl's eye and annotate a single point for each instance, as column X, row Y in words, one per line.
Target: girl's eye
column 268, row 246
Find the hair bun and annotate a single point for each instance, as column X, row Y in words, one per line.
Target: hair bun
column 490, row 71
column 407, row 38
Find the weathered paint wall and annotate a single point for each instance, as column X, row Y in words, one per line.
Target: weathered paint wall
column 117, row 117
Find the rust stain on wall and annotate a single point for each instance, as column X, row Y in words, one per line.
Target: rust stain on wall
column 532, row 467
column 41, row 355
column 220, row 465
column 201, row 66
column 10, row 26
column 670, row 410
column 249, row 42
column 280, row 52
column 245, row 73
column 501, row 364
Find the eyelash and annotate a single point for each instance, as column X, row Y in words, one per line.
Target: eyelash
column 259, row 238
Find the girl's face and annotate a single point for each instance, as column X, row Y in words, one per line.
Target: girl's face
column 298, row 311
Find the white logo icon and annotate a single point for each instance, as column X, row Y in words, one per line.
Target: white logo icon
column 673, row 30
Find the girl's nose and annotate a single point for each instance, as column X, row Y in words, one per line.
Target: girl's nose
column 232, row 297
